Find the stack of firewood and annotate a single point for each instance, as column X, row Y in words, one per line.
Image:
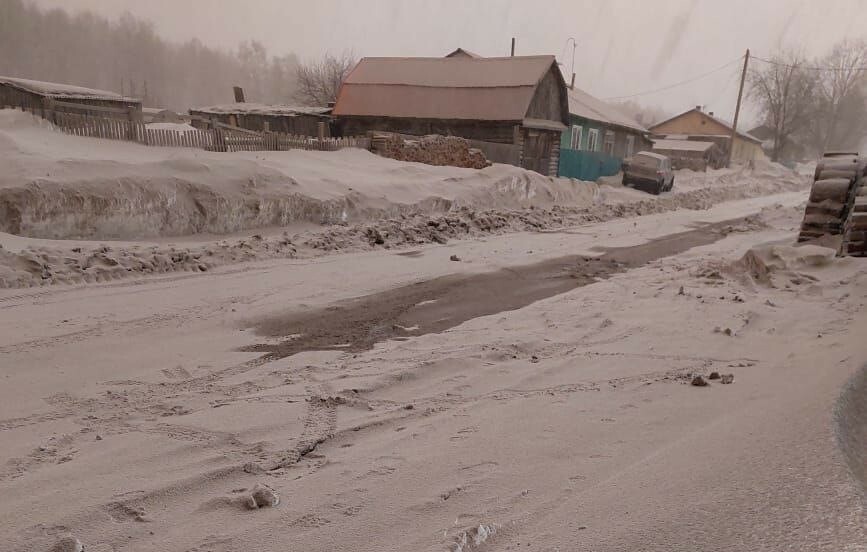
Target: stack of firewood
column 432, row 150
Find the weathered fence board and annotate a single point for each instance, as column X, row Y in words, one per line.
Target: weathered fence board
column 221, row 138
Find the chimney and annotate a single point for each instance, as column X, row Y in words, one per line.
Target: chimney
column 710, row 113
column 698, row 108
column 239, row 94
column 513, row 46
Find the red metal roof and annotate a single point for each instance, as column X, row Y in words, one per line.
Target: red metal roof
column 498, row 89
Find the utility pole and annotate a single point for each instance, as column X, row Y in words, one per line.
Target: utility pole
column 738, row 109
column 513, row 47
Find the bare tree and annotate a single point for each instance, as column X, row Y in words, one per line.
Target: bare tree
column 127, row 55
column 318, row 82
column 839, row 119
column 784, row 90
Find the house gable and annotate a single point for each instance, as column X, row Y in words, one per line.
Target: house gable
column 692, row 122
column 549, row 100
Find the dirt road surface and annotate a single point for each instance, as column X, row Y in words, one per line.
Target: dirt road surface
column 523, row 396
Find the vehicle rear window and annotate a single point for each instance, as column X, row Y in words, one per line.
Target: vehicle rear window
column 645, row 161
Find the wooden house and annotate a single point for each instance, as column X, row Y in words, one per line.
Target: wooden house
column 512, row 108
column 298, row 120
column 39, row 96
column 599, row 137
column 697, row 125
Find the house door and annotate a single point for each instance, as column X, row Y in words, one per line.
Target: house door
column 537, row 150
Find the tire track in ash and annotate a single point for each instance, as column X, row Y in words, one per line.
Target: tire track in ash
column 433, row 306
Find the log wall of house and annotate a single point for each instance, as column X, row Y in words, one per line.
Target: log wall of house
column 501, row 132
column 540, row 150
column 550, row 102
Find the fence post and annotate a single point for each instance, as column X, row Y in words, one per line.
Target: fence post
column 220, row 140
column 131, row 119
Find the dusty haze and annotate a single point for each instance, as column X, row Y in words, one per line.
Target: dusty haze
column 624, row 46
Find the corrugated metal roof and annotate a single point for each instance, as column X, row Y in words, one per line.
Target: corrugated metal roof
column 582, row 104
column 682, row 145
column 498, row 89
column 251, row 108
column 64, row 91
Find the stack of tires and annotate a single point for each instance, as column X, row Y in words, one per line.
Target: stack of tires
column 836, row 206
column 855, row 228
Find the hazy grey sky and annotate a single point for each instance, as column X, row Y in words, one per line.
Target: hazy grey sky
column 624, row 46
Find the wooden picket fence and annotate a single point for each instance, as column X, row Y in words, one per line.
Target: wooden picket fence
column 223, row 138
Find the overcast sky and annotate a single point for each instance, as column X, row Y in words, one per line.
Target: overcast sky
column 624, row 46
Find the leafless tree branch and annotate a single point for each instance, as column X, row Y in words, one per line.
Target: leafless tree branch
column 319, row 82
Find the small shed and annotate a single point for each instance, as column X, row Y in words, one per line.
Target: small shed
column 516, row 101
column 690, row 154
column 50, row 96
column 289, row 119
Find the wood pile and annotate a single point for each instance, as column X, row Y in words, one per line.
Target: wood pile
column 431, row 150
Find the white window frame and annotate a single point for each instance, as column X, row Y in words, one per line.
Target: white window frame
column 576, row 137
column 608, row 142
column 593, row 139
column 630, row 145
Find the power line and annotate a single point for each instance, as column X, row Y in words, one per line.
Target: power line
column 724, row 89
column 681, row 83
column 808, row 67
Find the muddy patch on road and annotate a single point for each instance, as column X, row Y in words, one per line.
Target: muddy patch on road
column 435, row 305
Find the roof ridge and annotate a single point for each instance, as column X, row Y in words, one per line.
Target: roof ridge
column 723, row 122
column 460, row 59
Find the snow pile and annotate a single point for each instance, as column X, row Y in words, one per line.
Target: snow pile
column 771, row 265
column 252, row 108
column 58, row 186
column 63, row 187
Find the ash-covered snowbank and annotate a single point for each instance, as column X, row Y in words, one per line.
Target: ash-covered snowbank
column 63, row 187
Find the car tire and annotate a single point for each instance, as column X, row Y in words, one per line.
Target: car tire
column 671, row 184
column 660, row 187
